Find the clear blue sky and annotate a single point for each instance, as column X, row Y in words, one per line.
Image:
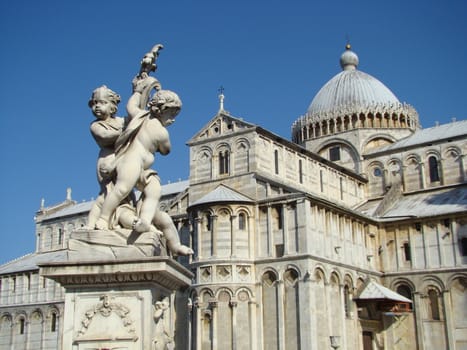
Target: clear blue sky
column 271, row 56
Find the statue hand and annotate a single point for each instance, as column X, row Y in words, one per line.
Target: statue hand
column 143, row 82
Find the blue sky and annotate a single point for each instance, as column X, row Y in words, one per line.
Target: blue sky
column 271, row 56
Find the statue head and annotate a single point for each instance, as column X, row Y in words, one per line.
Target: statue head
column 103, row 93
column 165, row 105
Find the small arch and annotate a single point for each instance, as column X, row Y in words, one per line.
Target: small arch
column 433, row 281
column 319, row 274
column 291, row 276
column 269, row 278
column 224, row 294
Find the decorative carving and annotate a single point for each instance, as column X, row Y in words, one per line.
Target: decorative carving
column 224, row 272
column 206, row 273
column 163, row 340
column 105, row 308
column 243, row 272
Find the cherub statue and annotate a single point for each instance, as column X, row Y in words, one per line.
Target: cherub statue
column 105, row 129
column 135, row 148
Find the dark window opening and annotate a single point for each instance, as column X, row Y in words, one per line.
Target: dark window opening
column 335, row 153
column 434, row 305
column 53, row 325
column 208, row 222
column 463, row 244
column 300, row 171
column 406, row 248
column 276, row 162
column 434, row 171
column 279, row 218
column 224, row 159
column 405, row 292
column 21, row 326
column 279, row 250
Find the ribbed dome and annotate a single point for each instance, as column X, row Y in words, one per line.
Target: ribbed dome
column 351, row 87
column 352, row 100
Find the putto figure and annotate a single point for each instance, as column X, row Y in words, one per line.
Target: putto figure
column 105, row 130
column 133, row 152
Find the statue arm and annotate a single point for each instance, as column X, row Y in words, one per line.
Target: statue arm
column 132, row 106
column 164, row 144
column 105, row 137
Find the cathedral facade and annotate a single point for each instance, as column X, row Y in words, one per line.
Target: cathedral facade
column 350, row 235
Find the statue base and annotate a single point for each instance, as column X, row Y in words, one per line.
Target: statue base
column 85, row 244
column 119, row 303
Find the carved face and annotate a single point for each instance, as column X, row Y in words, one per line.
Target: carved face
column 167, row 116
column 102, row 109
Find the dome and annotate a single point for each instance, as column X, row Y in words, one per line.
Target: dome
column 352, row 100
column 351, row 87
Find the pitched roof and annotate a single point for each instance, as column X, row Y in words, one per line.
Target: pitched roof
column 376, row 291
column 31, row 261
column 222, row 194
column 423, row 204
column 429, row 135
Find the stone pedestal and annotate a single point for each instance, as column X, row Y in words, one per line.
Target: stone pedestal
column 119, row 304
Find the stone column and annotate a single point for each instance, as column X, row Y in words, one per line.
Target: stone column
column 306, row 313
column 233, row 304
column 198, row 326
column 448, row 324
column 251, row 241
column 426, row 251
column 285, row 225
column 343, row 317
column 418, row 319
column 253, row 329
column 214, row 235
column 213, row 306
column 422, row 175
column 233, row 235
column 440, row 241
column 198, row 238
column 270, row 235
column 280, row 315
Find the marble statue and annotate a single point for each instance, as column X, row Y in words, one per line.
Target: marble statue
column 128, row 148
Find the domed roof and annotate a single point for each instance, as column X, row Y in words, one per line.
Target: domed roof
column 351, row 87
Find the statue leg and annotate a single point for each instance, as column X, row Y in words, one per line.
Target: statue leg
column 149, row 204
column 164, row 222
column 127, row 175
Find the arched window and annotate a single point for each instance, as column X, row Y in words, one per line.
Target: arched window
column 208, row 222
column 434, row 171
column 53, row 323
column 241, row 221
column 224, row 160
column 434, row 304
column 405, row 291
column 21, row 325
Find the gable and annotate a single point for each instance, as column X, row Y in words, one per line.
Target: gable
column 222, row 124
